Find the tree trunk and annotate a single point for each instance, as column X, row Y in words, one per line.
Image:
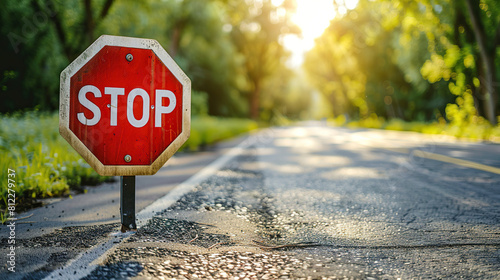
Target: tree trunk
column 487, row 56
column 489, row 92
column 176, row 40
column 255, row 102
column 89, row 21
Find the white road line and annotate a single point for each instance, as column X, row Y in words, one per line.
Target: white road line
column 87, row 261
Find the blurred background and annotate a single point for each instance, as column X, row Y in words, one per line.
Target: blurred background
column 430, row 66
column 427, row 60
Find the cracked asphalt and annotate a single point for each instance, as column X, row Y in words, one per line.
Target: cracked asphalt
column 316, row 202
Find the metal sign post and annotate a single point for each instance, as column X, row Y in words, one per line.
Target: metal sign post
column 127, row 202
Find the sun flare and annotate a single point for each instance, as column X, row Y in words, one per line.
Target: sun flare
column 312, row 17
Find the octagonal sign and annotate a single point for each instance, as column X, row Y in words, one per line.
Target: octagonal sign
column 125, row 106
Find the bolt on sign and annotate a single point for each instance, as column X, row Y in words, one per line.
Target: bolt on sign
column 125, row 106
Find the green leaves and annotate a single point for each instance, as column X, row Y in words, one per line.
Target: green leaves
column 408, row 59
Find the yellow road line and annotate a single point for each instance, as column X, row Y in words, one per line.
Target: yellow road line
column 457, row 161
column 447, row 159
column 443, row 158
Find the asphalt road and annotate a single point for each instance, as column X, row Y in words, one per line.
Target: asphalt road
column 309, row 202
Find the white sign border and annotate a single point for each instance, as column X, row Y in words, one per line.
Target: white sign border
column 64, row 97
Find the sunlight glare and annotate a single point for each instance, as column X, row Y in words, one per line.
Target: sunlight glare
column 312, row 17
column 277, row 3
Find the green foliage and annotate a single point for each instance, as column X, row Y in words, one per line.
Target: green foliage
column 286, row 95
column 411, row 60
column 199, row 104
column 371, row 122
column 45, row 164
column 207, row 130
column 256, row 30
column 30, row 55
column 6, row 76
column 345, row 61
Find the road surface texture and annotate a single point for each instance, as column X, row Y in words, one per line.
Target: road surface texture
column 312, row 202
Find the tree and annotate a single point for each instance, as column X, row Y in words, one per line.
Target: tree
column 44, row 36
column 30, row 59
column 354, row 63
column 77, row 30
column 39, row 38
column 195, row 37
column 482, row 15
column 426, row 49
column 287, row 94
column 256, row 29
column 463, row 37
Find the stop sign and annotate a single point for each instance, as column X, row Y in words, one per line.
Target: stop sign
column 125, row 106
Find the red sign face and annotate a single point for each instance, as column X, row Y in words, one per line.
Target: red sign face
column 124, row 107
column 120, row 107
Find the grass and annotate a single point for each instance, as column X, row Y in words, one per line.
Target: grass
column 477, row 129
column 208, row 130
column 47, row 166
